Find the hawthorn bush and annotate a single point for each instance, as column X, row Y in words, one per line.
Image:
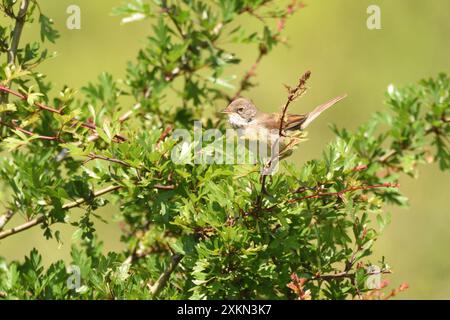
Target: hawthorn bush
column 194, row 231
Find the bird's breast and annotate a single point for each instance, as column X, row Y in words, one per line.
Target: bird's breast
column 237, row 121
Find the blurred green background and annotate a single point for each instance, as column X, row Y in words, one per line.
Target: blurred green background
column 330, row 38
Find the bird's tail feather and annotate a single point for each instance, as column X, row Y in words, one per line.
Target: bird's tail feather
column 318, row 110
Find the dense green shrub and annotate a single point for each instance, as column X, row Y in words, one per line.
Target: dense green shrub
column 194, row 230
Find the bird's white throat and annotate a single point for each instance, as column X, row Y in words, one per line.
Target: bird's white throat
column 237, row 121
column 251, row 130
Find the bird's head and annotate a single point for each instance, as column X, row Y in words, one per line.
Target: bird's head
column 241, row 108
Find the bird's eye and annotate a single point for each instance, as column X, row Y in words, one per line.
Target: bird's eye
column 240, row 109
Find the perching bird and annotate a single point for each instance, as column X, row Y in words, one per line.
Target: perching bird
column 243, row 114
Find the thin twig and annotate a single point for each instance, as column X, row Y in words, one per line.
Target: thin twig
column 340, row 193
column 127, row 114
column 135, row 255
column 164, row 187
column 140, row 250
column 166, row 9
column 27, row 132
column 67, row 206
column 24, row 97
column 17, row 32
column 345, row 274
column 87, row 125
column 4, row 219
column 93, row 156
column 259, row 197
column 71, row 205
column 164, row 135
column 290, row 10
column 262, row 50
column 162, row 280
column 294, row 93
column 245, row 82
column 93, row 127
column 388, row 155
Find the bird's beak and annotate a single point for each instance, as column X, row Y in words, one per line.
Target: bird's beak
column 226, row 110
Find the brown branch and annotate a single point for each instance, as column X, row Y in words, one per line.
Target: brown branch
column 24, row 97
column 245, row 82
column 262, row 50
column 27, row 132
column 165, row 9
column 340, row 193
column 138, row 254
column 251, row 10
column 140, row 250
column 4, row 219
column 93, row 156
column 135, row 252
column 290, row 10
column 384, row 158
column 259, row 197
column 93, row 127
column 351, row 262
column 68, row 206
column 162, row 280
column 164, row 135
column 391, row 153
column 87, row 125
column 345, row 274
column 128, row 114
column 294, row 93
column 17, row 32
column 164, row 187
column 321, row 185
column 71, row 205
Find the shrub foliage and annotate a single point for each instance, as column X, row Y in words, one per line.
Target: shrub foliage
column 193, row 231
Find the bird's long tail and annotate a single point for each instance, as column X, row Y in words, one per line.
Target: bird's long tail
column 318, row 110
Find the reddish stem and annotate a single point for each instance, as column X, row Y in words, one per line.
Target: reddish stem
column 24, row 97
column 340, row 193
column 27, row 132
column 249, row 74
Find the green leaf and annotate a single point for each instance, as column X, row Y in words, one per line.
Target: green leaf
column 47, row 30
column 4, row 107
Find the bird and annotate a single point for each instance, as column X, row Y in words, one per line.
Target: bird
column 254, row 124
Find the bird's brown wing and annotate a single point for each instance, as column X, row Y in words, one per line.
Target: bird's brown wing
column 272, row 121
column 294, row 121
column 301, row 121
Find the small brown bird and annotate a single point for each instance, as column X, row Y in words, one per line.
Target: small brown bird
column 264, row 127
column 243, row 114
